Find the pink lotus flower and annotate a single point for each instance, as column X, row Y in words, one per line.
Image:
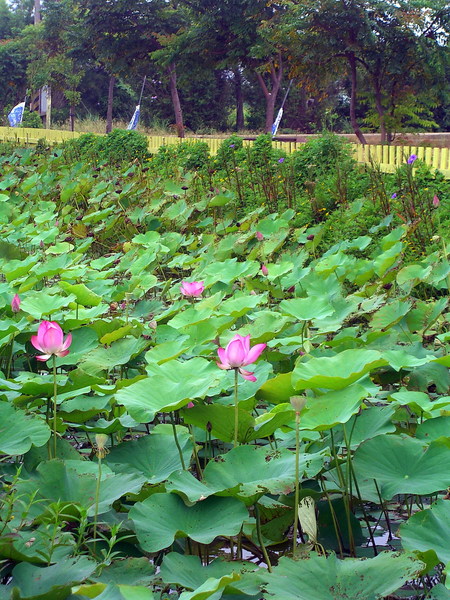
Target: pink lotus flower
column 264, row 270
column 15, row 304
column 49, row 340
column 238, row 354
column 436, row 201
column 192, row 289
column 259, row 236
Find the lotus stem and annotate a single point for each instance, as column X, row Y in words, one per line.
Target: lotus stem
column 297, row 485
column 236, row 409
column 55, row 406
column 177, row 443
column 260, row 539
column 97, row 496
column 11, row 352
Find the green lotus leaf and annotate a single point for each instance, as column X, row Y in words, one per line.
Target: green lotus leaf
column 19, row 431
column 113, row 591
column 319, row 577
column 306, row 309
column 76, row 482
column 432, row 429
column 49, row 583
column 82, row 293
column 129, row 571
column 212, row 588
column 119, row 353
column 373, row 421
column 153, row 456
column 429, row 529
column 202, row 522
column 277, row 390
column 41, row 304
column 189, row 572
column 401, row 465
column 169, row 386
column 336, row 372
column 390, row 314
column 332, row 408
column 247, row 471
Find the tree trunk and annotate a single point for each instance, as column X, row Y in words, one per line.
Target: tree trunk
column 239, row 100
column 380, row 111
column 109, row 111
column 72, row 117
column 276, row 75
column 352, row 64
column 176, row 100
column 37, row 11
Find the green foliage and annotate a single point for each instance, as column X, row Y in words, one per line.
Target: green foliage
column 320, row 156
column 144, row 419
column 117, row 147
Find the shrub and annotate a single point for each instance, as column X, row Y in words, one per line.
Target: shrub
column 115, row 148
column 122, row 145
column 322, row 156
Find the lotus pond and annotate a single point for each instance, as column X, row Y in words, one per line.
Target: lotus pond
column 177, row 422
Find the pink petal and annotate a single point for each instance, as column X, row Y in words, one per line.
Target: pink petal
column 235, row 353
column 44, row 357
column 62, row 353
column 52, row 340
column 248, row 375
column 35, row 342
column 67, row 342
column 223, row 357
column 223, row 367
column 254, row 354
column 42, row 330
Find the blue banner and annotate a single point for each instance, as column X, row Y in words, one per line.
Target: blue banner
column 135, row 118
column 16, row 115
column 277, row 122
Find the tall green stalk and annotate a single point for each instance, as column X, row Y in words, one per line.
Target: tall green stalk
column 297, row 485
column 236, row 409
column 55, row 406
column 177, row 443
column 298, row 403
column 100, row 451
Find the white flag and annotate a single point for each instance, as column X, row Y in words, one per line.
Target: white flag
column 16, row 115
column 135, row 118
column 276, row 123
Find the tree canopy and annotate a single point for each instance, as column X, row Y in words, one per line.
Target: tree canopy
column 355, row 65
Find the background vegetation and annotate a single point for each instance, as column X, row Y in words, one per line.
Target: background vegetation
column 356, row 65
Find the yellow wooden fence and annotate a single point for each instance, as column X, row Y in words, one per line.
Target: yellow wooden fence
column 388, row 157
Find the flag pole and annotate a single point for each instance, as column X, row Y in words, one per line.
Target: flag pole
column 24, row 106
column 142, row 89
column 280, row 112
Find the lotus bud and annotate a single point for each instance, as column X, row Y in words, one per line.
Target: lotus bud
column 100, row 443
column 15, row 304
column 298, row 403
